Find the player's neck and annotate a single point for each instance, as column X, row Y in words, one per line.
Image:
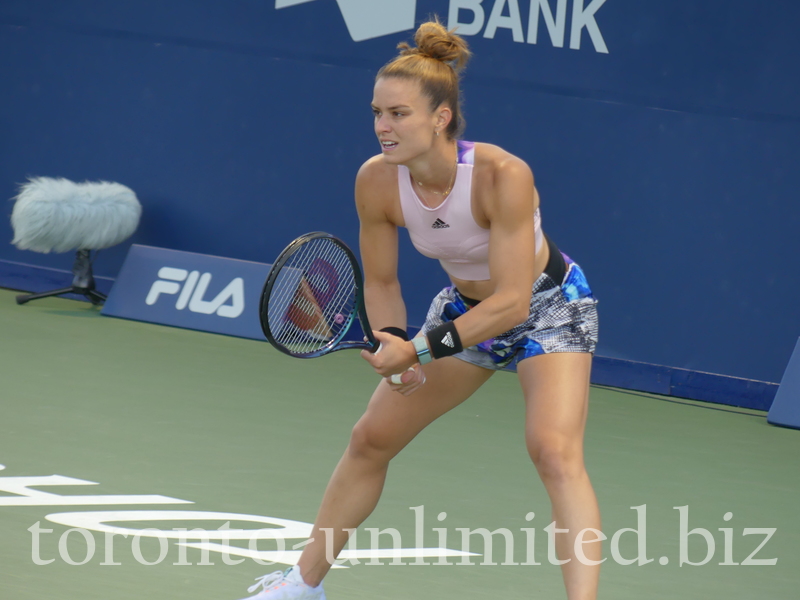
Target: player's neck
column 434, row 171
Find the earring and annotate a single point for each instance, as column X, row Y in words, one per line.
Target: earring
column 437, row 133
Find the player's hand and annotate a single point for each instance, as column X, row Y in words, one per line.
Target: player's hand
column 412, row 380
column 394, row 356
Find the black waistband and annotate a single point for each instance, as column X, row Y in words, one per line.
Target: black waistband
column 556, row 269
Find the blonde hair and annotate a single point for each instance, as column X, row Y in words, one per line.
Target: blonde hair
column 435, row 62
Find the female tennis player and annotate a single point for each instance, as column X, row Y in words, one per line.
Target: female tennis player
column 515, row 302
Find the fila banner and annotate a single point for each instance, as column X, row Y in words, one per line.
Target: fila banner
column 197, row 291
column 193, row 291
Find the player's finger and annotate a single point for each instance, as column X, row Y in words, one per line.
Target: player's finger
column 409, row 376
column 369, row 357
column 411, row 380
column 410, row 388
column 401, row 378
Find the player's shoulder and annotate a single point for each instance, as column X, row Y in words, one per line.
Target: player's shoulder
column 495, row 161
column 375, row 171
column 376, row 189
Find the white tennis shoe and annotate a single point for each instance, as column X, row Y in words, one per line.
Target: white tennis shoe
column 285, row 585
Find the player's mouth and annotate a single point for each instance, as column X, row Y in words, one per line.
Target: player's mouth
column 388, row 145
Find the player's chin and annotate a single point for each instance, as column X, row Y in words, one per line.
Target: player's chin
column 391, row 159
column 398, row 156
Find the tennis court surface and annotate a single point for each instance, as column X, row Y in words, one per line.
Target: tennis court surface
column 230, row 426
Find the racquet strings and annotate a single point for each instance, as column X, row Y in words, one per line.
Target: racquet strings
column 318, row 288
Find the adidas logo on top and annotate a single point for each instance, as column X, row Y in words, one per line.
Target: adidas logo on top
column 439, row 224
column 447, row 340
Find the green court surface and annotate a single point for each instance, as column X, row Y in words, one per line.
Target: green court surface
column 233, row 426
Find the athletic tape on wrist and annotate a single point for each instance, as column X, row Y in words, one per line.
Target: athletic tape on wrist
column 444, row 340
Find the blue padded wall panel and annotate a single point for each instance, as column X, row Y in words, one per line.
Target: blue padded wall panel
column 667, row 167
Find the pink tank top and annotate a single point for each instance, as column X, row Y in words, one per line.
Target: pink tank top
column 449, row 231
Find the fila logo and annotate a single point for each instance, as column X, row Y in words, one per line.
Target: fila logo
column 447, row 340
column 439, row 224
column 367, row 19
column 193, row 290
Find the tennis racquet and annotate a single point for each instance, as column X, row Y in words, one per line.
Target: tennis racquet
column 312, row 298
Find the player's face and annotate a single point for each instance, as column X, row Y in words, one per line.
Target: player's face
column 404, row 121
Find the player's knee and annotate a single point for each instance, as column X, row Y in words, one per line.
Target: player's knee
column 556, row 458
column 370, row 443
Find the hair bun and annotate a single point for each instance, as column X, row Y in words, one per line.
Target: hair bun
column 434, row 41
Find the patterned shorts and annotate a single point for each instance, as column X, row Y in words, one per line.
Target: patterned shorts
column 563, row 318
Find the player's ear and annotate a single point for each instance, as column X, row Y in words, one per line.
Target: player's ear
column 444, row 115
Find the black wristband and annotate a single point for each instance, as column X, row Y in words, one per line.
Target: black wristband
column 444, row 340
column 401, row 333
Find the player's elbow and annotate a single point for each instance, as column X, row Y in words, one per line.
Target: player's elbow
column 516, row 311
column 521, row 313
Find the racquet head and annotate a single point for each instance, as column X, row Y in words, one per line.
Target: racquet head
column 312, row 298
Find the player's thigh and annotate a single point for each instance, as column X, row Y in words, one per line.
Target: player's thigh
column 556, row 391
column 392, row 420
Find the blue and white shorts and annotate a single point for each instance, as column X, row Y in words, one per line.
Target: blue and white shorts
column 563, row 318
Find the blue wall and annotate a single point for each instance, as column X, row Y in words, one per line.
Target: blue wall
column 667, row 166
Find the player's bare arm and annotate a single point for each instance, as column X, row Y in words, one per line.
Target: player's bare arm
column 378, row 241
column 509, row 208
